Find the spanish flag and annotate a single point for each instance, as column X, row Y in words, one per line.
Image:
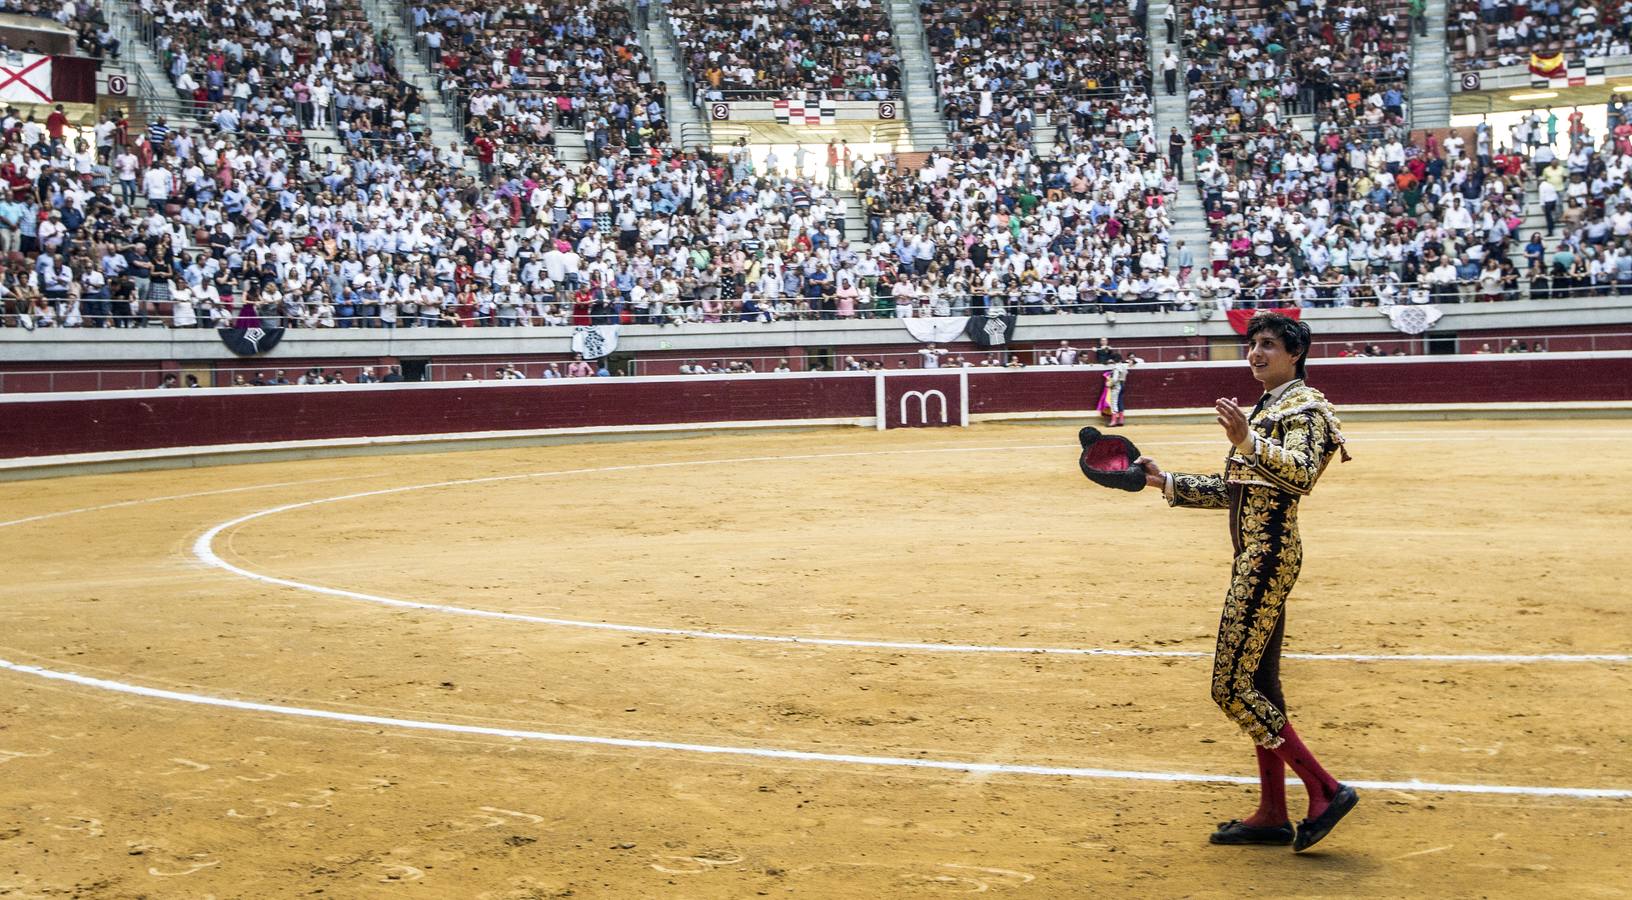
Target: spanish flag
column 1548, row 66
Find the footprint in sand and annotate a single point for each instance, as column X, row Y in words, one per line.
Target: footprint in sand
column 82, row 826
column 706, row 861
column 399, row 872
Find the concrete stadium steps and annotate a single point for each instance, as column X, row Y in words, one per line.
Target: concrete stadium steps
column 1189, row 225
column 1189, row 222
column 1171, row 111
column 387, row 17
column 1045, row 137
column 321, row 143
column 135, row 54
column 1430, row 91
column 686, row 123
column 570, row 147
column 855, row 220
column 926, row 127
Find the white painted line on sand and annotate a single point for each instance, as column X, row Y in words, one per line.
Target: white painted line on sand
column 204, row 550
column 775, row 753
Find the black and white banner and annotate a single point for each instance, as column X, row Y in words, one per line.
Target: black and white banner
column 251, row 341
column 991, row 331
column 595, row 341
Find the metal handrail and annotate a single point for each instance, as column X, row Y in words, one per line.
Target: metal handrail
column 1160, row 353
column 701, row 134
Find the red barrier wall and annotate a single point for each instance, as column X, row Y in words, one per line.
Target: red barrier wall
column 1496, row 379
column 53, row 424
column 178, row 418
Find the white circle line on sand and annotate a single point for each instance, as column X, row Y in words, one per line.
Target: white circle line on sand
column 990, row 768
column 143, row 501
column 204, row 551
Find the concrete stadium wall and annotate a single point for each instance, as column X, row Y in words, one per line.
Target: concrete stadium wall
column 182, row 349
column 63, row 426
column 862, row 340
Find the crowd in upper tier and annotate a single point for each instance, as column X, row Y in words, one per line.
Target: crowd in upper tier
column 243, row 217
column 93, row 35
column 769, row 49
column 519, row 73
column 1485, row 33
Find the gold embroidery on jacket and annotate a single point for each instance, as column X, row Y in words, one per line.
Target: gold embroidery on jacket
column 1297, row 436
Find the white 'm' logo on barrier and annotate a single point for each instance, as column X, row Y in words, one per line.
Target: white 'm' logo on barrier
column 923, row 405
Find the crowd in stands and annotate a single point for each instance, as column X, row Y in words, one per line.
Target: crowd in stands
column 1251, row 68
column 176, row 227
column 990, row 224
column 1485, row 33
column 181, row 228
column 1083, row 64
column 1340, row 209
column 237, row 219
column 998, row 228
column 1345, row 220
column 270, row 72
column 757, row 49
column 519, row 73
column 93, row 36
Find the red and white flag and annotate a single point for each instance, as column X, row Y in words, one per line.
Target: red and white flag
column 28, row 81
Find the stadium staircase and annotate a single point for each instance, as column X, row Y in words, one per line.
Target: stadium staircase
column 570, row 147
column 855, row 220
column 1189, row 220
column 387, row 18
column 322, row 143
column 1430, row 72
column 926, row 128
column 151, row 87
column 686, row 126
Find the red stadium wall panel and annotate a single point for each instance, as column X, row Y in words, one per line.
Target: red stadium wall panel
column 182, row 418
column 918, row 399
column 59, row 424
column 1506, row 379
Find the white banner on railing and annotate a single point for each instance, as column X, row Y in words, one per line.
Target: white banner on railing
column 941, row 330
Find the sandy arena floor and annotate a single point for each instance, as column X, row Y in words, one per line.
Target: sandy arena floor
column 1458, row 539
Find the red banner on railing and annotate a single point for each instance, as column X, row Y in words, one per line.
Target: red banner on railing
column 1240, row 317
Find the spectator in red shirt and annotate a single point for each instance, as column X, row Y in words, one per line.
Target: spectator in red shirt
column 56, row 124
column 484, row 155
